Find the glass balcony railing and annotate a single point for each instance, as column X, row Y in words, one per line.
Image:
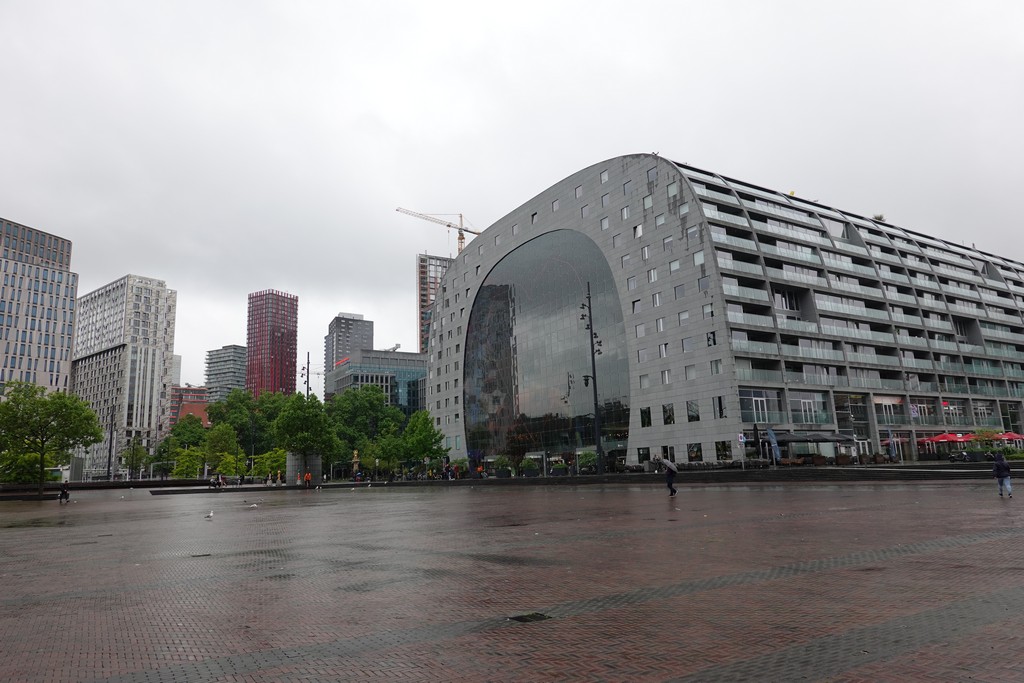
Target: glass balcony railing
column 905, row 340
column 808, row 417
column 750, row 319
column 745, row 292
column 740, row 266
column 850, row 267
column 792, row 254
column 817, row 354
column 871, row 358
column 745, row 345
column 765, row 417
column 751, row 374
column 797, row 277
column 733, row 241
column 883, row 337
column 797, row 325
column 918, row 363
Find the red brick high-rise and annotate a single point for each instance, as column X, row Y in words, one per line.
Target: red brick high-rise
column 271, row 353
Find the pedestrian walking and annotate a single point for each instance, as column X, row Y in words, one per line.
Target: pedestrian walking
column 670, row 476
column 1001, row 471
column 65, row 494
column 309, row 479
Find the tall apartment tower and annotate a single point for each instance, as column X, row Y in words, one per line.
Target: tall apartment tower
column 272, row 342
column 123, row 365
column 429, row 271
column 37, row 302
column 225, row 371
column 347, row 333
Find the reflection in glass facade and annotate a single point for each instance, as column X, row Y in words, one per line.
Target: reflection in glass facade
column 527, row 352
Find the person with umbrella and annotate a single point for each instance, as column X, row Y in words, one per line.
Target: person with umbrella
column 670, row 476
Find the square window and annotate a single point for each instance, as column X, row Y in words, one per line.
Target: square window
column 648, row 202
column 683, row 317
column 640, row 331
column 679, row 291
column 641, row 356
column 673, row 266
column 693, row 452
column 645, row 381
column 698, row 258
column 673, row 189
column 625, row 261
column 666, row 245
column 631, row 283
column 688, row 344
column 716, row 367
column 703, row 283
column 690, row 372
column 659, row 220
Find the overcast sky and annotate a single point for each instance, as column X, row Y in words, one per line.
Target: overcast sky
column 229, row 147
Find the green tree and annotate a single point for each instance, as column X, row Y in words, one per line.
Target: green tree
column 188, row 463
column 361, row 415
column 252, row 419
column 421, row 439
column 133, row 456
column 221, row 441
column 270, row 463
column 303, row 428
column 45, row 425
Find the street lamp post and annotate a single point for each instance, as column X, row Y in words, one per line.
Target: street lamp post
column 588, row 316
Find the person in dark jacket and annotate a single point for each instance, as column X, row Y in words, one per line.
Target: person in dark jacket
column 1001, row 471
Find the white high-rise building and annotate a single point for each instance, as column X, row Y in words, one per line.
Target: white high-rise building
column 123, row 365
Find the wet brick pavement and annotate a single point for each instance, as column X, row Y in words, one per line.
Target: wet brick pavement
column 843, row 582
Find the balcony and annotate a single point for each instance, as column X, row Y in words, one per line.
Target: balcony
column 792, row 254
column 768, row 417
column 745, row 292
column 797, row 277
column 733, row 241
column 747, row 346
column 872, row 359
column 883, row 337
column 797, row 325
column 806, row 352
column 750, row 319
column 918, row 363
column 740, row 266
column 812, row 417
column 754, row 375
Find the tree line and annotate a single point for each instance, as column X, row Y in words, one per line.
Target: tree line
column 247, row 436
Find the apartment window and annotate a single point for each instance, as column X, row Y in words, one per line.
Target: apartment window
column 688, row 344
column 678, row 290
column 605, row 199
column 666, row 245
column 625, row 261
column 718, row 406
column 639, row 330
column 723, row 450
column 716, row 367
column 515, row 229
column 693, row 452
column 555, row 205
column 604, row 223
column 648, row 202
column 641, row 355
column 631, row 283
column 690, row 372
column 698, row 258
column 668, row 413
column 497, row 240
column 712, row 338
column 627, row 186
column 604, row 177
column 659, row 220
column 692, row 411
column 708, row 310
column 477, row 271
column 645, row 381
column 652, row 275
column 673, row 266
column 659, row 324
column 666, row 376
column 638, row 231
column 652, row 174
column 584, row 210
column 663, row 350
column 656, row 299
column 636, row 306
column 703, row 283
column 616, row 241
column 673, row 189
column 579, row 191
column 624, row 212
column 645, row 253
column 645, row 417
column 533, row 217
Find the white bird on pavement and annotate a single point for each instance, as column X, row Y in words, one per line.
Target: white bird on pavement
column 254, row 505
column 210, row 515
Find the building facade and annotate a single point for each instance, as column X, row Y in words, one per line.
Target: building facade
column 346, row 334
column 429, row 271
column 37, row 307
column 188, row 400
column 719, row 309
column 398, row 374
column 123, row 359
column 271, row 351
column 225, row 371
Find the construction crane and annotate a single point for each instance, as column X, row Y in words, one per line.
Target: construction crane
column 427, row 217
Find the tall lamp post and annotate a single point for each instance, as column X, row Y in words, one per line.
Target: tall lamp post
column 588, row 317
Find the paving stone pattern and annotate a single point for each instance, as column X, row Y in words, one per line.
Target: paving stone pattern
column 838, row 582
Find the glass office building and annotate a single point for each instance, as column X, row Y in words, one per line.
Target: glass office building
column 720, row 309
